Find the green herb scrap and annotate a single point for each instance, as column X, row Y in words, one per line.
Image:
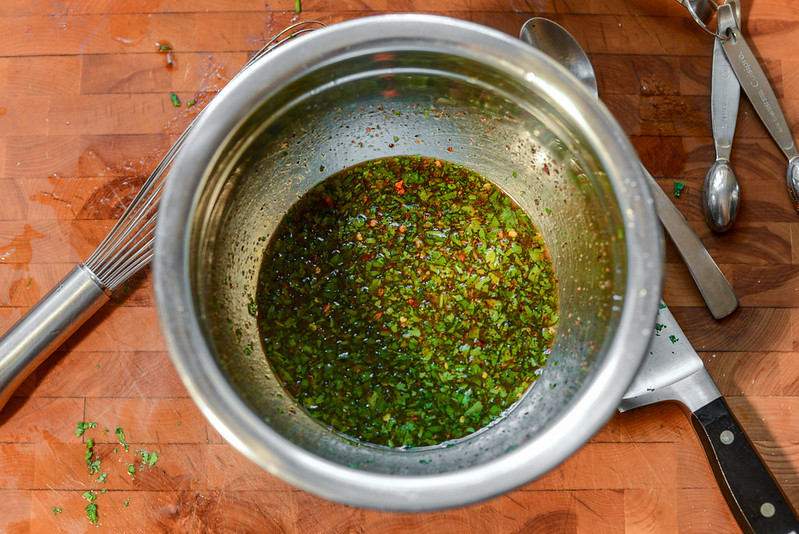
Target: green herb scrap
column 83, row 426
column 92, row 464
column 121, row 437
column 148, row 458
column 406, row 301
column 91, row 512
column 175, row 100
column 678, row 187
column 56, row 510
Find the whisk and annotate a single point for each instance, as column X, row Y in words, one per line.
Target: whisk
column 125, row 250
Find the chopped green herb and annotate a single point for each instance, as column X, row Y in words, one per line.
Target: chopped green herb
column 673, row 338
column 132, row 469
column 102, row 477
column 83, row 427
column 127, row 502
column 406, row 301
column 175, row 99
column 56, row 510
column 89, row 496
column 190, row 103
column 94, row 465
column 121, row 435
column 30, row 279
column 658, row 328
column 164, row 48
column 678, row 187
column 91, row 512
column 297, row 6
column 148, row 458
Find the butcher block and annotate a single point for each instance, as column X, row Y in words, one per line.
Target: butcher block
column 94, row 92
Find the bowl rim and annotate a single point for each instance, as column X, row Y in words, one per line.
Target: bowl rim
column 240, row 426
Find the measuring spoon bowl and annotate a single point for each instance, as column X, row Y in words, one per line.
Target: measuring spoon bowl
column 720, row 196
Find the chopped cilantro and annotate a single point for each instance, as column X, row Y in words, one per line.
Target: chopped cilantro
column 102, row 477
column 190, row 103
column 56, row 510
column 91, row 512
column 175, row 100
column 132, row 469
column 164, row 48
column 673, row 338
column 94, row 465
column 121, row 435
column 127, row 502
column 148, row 458
column 678, row 187
column 83, row 426
column 89, row 496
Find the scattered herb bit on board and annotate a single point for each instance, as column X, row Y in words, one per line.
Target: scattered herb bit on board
column 126, row 503
column 91, row 512
column 673, row 338
column 678, row 187
column 148, row 458
column 121, row 436
column 56, row 510
column 83, row 426
column 132, row 469
column 102, row 477
column 175, row 100
column 297, row 6
column 406, row 301
column 93, row 465
column 89, row 496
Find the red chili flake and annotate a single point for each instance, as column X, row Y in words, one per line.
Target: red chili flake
column 398, row 187
column 329, row 202
column 546, row 168
column 449, row 149
column 402, row 227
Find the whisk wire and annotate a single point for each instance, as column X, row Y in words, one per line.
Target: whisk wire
column 128, row 247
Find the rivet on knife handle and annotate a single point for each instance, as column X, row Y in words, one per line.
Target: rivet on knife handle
column 757, row 88
column 754, row 497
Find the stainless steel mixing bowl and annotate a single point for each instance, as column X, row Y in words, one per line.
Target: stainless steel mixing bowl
column 385, row 86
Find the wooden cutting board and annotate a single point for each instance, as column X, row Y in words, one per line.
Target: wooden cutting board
column 86, row 113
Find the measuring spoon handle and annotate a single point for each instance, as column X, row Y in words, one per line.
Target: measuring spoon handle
column 757, row 88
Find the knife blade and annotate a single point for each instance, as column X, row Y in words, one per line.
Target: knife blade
column 673, row 371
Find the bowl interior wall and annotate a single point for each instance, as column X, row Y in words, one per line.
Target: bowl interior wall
column 415, row 102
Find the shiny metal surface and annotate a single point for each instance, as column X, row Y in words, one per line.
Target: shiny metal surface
column 760, row 93
column 721, row 193
column 383, row 86
column 716, row 290
column 47, row 325
column 672, row 371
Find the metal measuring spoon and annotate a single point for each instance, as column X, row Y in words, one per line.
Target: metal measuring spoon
column 717, row 292
column 757, row 88
column 720, row 193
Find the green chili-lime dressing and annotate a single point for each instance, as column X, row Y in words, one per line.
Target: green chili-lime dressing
column 406, row 301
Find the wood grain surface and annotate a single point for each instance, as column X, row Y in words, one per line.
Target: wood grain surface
column 85, row 115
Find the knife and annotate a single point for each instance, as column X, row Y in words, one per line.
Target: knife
column 672, row 371
column 757, row 88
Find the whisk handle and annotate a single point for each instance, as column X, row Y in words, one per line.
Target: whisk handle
column 46, row 326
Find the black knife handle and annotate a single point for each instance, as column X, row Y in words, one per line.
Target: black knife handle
column 753, row 495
